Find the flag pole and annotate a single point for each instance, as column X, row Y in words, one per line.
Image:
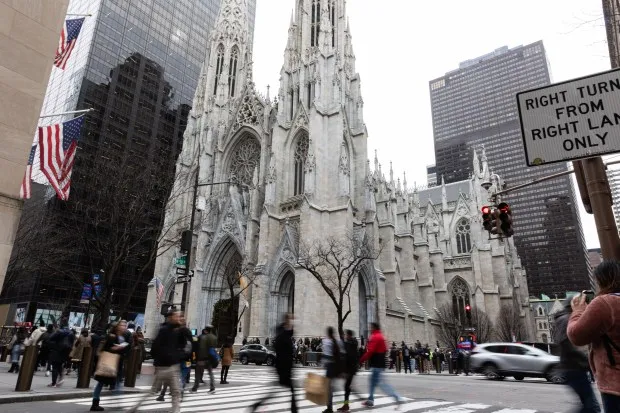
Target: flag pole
column 73, row 112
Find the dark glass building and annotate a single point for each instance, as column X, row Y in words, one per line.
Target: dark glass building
column 475, row 106
column 136, row 65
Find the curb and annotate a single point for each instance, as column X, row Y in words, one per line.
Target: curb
column 28, row 397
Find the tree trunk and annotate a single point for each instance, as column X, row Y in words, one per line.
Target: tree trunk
column 340, row 322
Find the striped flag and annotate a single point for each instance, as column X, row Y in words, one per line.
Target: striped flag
column 26, row 190
column 159, row 291
column 57, row 147
column 68, row 38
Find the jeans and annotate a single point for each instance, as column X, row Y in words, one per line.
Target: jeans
column 184, row 373
column 97, row 391
column 224, row 373
column 165, row 376
column 200, row 370
column 376, row 379
column 579, row 382
column 347, row 387
column 15, row 353
column 611, row 403
column 56, row 371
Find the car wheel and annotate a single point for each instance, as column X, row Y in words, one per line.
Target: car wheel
column 554, row 375
column 243, row 360
column 269, row 361
column 490, row 370
column 518, row 377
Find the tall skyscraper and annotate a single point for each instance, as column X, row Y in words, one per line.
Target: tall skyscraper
column 613, row 175
column 136, row 65
column 475, row 106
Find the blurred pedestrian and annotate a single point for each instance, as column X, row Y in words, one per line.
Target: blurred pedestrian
column 284, row 361
column 375, row 353
column 350, row 367
column 331, row 359
column 227, row 357
column 205, row 359
column 61, row 343
column 16, row 347
column 598, row 324
column 77, row 353
column 574, row 362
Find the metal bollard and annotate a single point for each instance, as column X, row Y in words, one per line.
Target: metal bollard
column 450, row 364
column 83, row 381
column 26, row 370
column 437, row 365
column 131, row 371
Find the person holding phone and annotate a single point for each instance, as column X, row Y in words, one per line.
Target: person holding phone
column 598, row 324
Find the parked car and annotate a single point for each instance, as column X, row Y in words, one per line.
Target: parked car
column 499, row 360
column 256, row 353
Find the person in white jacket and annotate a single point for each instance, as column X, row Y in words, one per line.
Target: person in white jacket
column 35, row 340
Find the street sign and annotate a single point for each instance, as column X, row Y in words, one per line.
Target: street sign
column 181, row 279
column 181, row 271
column 181, row 260
column 571, row 120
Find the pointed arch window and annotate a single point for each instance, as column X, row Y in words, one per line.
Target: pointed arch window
column 219, row 67
column 463, row 236
column 315, row 26
column 460, row 298
column 232, row 71
column 245, row 159
column 309, row 92
column 301, row 154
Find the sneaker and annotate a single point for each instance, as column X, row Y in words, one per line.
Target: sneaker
column 344, row 408
column 60, row 382
column 328, row 410
column 368, row 403
column 212, row 391
column 160, row 399
column 47, row 373
column 194, row 389
column 51, row 385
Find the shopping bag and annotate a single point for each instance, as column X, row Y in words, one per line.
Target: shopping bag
column 107, row 366
column 317, row 388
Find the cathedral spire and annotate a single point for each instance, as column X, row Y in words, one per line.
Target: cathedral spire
column 444, row 196
column 405, row 182
column 391, row 174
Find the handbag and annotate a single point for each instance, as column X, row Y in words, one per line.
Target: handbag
column 107, row 366
column 317, row 388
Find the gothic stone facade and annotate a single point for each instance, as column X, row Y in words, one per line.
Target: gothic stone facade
column 272, row 172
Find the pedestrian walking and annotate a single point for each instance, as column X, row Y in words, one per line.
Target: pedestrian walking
column 284, row 360
column 83, row 341
column 598, row 324
column 168, row 351
column 16, row 346
column 574, row 362
column 375, row 353
column 61, row 343
column 114, row 343
column 351, row 366
column 206, row 358
column 44, row 349
column 226, row 353
column 331, row 359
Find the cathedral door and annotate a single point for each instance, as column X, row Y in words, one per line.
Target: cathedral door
column 286, row 296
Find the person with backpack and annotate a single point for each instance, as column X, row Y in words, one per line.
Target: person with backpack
column 206, row 357
column 351, row 366
column 61, row 343
column 598, row 324
column 185, row 345
column 16, row 346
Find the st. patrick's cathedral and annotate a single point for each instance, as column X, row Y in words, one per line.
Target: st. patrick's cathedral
column 273, row 172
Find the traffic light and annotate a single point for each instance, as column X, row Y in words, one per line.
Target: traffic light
column 186, row 240
column 495, row 222
column 505, row 217
column 487, row 217
column 468, row 312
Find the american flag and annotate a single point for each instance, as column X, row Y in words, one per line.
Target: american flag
column 159, row 290
column 68, row 38
column 57, row 146
column 26, row 190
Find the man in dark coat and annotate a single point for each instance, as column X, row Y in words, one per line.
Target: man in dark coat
column 352, row 362
column 60, row 344
column 283, row 346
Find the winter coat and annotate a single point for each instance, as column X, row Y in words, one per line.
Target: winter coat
column 167, row 348
column 376, row 350
column 78, row 348
column 284, row 355
column 571, row 358
column 601, row 317
column 60, row 343
column 227, row 356
column 352, row 360
column 36, row 335
column 110, row 341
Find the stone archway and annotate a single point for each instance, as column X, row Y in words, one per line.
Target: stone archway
column 363, row 307
column 286, row 295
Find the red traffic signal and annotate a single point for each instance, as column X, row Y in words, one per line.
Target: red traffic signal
column 486, row 209
column 487, row 217
column 505, row 217
column 468, row 307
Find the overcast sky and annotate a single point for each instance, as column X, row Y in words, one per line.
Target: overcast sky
column 402, row 44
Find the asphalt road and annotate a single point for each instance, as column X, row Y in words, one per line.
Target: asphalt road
column 424, row 393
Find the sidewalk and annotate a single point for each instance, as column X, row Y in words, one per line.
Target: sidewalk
column 39, row 390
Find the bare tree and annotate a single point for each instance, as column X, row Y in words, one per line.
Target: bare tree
column 335, row 263
column 451, row 328
column 509, row 326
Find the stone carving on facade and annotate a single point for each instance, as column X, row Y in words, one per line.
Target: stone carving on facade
column 457, row 263
column 251, row 112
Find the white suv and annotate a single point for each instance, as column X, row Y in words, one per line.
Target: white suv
column 498, row 360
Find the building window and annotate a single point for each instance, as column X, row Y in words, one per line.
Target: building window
column 540, row 311
column 219, row 67
column 291, row 105
column 301, row 154
column 463, row 238
column 245, row 160
column 232, row 70
column 540, row 326
column 460, row 298
column 309, row 92
column 315, row 26
column 545, row 339
column 332, row 17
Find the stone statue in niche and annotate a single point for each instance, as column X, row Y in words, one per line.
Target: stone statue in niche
column 432, row 226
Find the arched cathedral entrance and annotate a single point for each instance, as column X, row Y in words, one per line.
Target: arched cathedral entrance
column 286, row 295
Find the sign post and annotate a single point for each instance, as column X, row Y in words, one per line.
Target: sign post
column 578, row 120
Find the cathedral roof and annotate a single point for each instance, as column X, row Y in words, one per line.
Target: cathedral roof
column 453, row 190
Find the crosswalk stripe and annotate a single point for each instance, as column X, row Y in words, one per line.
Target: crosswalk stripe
column 424, row 404
column 516, row 411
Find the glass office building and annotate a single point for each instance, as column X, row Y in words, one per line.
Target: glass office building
column 475, row 106
column 136, row 64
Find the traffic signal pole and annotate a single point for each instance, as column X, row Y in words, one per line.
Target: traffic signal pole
column 598, row 193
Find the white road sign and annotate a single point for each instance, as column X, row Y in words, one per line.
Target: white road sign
column 571, row 120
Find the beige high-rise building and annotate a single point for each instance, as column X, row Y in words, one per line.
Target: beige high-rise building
column 29, row 33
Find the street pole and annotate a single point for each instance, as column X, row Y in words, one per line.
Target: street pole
column 185, row 294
